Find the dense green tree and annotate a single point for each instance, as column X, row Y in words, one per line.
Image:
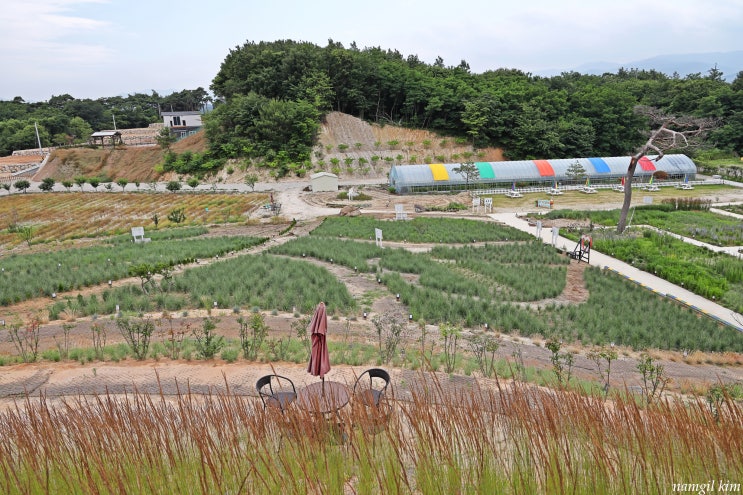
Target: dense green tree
column 165, row 138
column 22, row 185
column 173, row 186
column 47, row 184
column 469, row 171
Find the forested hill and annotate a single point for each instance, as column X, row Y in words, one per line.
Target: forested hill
column 270, row 98
column 288, row 85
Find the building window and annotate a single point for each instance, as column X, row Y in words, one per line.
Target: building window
column 176, row 120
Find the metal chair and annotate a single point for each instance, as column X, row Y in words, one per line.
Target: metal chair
column 279, row 398
column 371, row 395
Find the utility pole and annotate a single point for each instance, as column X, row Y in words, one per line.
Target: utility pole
column 114, row 117
column 38, row 139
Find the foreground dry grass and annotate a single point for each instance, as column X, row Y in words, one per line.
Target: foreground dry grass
column 511, row 438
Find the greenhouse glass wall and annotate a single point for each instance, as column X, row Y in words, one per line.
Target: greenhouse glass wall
column 406, row 179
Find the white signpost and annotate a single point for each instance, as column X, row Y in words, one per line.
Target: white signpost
column 539, row 229
column 488, row 204
column 476, row 204
column 378, row 237
column 555, row 233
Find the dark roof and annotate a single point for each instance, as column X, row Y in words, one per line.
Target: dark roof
column 180, row 114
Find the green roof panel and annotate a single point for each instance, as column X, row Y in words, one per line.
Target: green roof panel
column 486, row 171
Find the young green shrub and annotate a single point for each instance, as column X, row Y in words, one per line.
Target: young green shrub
column 230, row 354
column 450, row 334
column 391, row 330
column 208, row 344
column 654, row 378
column 99, row 333
column 484, row 347
column 137, row 335
column 599, row 357
column 253, row 332
column 25, row 338
column 562, row 362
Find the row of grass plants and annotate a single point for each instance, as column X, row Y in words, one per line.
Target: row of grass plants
column 419, row 230
column 477, row 287
column 26, row 276
column 264, row 281
column 489, row 284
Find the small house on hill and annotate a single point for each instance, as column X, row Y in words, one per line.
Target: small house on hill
column 323, row 181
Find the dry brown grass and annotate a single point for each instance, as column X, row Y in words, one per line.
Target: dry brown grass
column 65, row 216
column 510, row 439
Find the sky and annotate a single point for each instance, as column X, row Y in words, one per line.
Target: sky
column 100, row 48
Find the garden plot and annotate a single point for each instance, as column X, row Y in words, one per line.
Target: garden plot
column 59, row 217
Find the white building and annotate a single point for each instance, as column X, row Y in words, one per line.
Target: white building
column 323, row 181
column 182, row 119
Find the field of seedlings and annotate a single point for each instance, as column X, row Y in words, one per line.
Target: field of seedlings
column 260, row 281
column 57, row 217
column 489, row 431
column 35, row 275
column 510, row 286
column 419, row 230
column 717, row 276
column 492, row 284
column 702, row 225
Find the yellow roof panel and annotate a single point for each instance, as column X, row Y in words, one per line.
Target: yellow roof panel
column 439, row 171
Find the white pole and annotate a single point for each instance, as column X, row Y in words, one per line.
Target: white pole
column 38, row 139
column 114, row 117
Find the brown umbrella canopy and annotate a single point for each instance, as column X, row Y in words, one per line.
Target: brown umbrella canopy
column 319, row 358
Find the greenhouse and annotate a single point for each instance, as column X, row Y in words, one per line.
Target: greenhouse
column 538, row 173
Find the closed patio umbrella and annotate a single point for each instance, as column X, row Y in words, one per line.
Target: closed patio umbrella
column 319, row 357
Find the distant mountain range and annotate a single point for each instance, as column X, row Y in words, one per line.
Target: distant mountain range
column 729, row 63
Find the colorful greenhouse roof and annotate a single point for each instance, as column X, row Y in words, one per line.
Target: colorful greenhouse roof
column 536, row 170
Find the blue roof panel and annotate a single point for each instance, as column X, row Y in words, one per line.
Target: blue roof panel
column 600, row 165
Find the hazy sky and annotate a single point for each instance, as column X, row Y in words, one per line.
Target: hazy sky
column 96, row 48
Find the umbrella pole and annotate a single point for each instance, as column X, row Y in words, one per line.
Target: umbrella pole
column 323, row 385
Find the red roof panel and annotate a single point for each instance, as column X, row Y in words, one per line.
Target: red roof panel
column 544, row 167
column 646, row 164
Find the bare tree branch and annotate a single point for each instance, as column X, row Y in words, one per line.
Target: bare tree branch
column 673, row 133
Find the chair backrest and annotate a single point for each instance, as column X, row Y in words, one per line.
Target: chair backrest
column 371, row 374
column 266, row 382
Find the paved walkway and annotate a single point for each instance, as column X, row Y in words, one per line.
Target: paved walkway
column 172, row 378
column 656, row 284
